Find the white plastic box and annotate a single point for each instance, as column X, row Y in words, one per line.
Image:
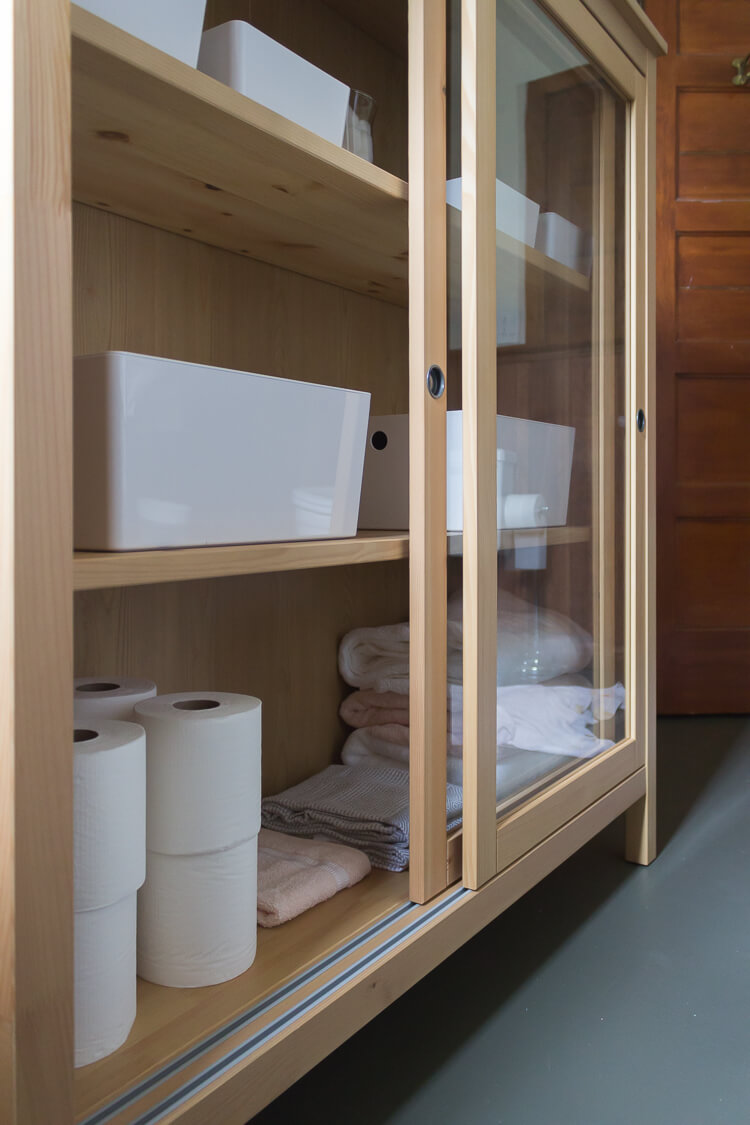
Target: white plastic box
column 174, row 26
column 172, row 454
column 563, row 241
column 534, row 461
column 253, row 63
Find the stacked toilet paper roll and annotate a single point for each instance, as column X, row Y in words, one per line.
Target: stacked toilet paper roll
column 197, row 909
column 109, row 865
column 109, row 697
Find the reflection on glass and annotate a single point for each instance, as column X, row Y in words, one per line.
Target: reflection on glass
column 561, row 398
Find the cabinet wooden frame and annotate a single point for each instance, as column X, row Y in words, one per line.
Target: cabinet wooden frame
column 37, row 580
column 483, row 831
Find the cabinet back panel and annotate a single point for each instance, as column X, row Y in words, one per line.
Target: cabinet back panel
column 275, row 636
column 141, row 289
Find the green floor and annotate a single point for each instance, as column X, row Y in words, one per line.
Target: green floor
column 609, row 995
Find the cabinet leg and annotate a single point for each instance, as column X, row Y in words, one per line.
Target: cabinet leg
column 640, row 829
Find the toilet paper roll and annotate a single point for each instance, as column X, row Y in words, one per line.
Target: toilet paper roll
column 109, row 697
column 197, row 916
column 104, row 979
column 109, row 812
column 525, row 509
column 202, row 771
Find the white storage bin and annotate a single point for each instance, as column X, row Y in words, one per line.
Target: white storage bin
column 563, row 241
column 172, row 454
column 534, row 461
column 174, row 26
column 242, row 57
column 514, row 213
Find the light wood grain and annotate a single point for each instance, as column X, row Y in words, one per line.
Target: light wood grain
column 479, row 394
column 537, row 818
column 140, row 289
column 98, row 569
column 641, row 842
column 606, row 580
column 158, row 141
column 36, row 919
column 171, row 1020
column 586, row 30
column 427, row 470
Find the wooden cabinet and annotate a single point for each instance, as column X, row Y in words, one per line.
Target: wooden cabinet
column 155, row 210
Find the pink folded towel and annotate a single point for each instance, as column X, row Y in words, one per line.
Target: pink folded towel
column 295, row 874
column 375, row 709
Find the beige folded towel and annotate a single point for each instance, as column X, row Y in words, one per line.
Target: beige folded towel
column 295, row 874
column 375, row 708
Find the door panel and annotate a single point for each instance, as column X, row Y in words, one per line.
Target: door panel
column 544, row 348
column 713, row 27
column 703, row 357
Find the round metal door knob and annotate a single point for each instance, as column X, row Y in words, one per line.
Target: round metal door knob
column 640, row 421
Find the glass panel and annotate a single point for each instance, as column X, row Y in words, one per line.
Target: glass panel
column 562, row 461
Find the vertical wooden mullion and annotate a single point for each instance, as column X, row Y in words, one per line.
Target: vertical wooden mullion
column 479, row 343
column 427, row 484
column 640, row 844
column 36, row 559
column 603, row 401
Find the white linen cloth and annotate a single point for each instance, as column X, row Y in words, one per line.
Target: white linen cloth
column 551, row 719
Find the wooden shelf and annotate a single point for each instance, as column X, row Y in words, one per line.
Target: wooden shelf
column 160, row 142
column 172, row 1020
column 537, row 262
column 506, row 540
column 94, row 570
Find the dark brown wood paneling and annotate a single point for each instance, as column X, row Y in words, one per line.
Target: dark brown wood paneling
column 712, row 26
column 713, row 260
column 713, row 574
column 703, row 357
column 713, row 314
column 712, row 425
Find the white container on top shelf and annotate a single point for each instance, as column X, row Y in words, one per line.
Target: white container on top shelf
column 534, row 461
column 249, row 61
column 174, row 26
column 173, row 454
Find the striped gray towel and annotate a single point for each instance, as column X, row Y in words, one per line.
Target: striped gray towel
column 366, row 807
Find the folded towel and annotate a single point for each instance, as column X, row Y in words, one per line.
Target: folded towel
column 514, row 769
column 549, row 719
column 377, row 659
column 364, row 806
column 294, row 874
column 374, row 709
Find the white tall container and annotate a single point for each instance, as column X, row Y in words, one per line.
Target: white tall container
column 253, row 63
column 534, row 462
column 172, row 454
column 174, row 26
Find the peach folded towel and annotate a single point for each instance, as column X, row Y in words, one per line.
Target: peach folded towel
column 295, row 874
column 375, row 709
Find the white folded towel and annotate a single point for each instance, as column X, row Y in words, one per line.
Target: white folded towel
column 377, row 659
column 366, row 807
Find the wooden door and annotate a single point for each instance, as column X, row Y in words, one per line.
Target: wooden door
column 703, row 357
